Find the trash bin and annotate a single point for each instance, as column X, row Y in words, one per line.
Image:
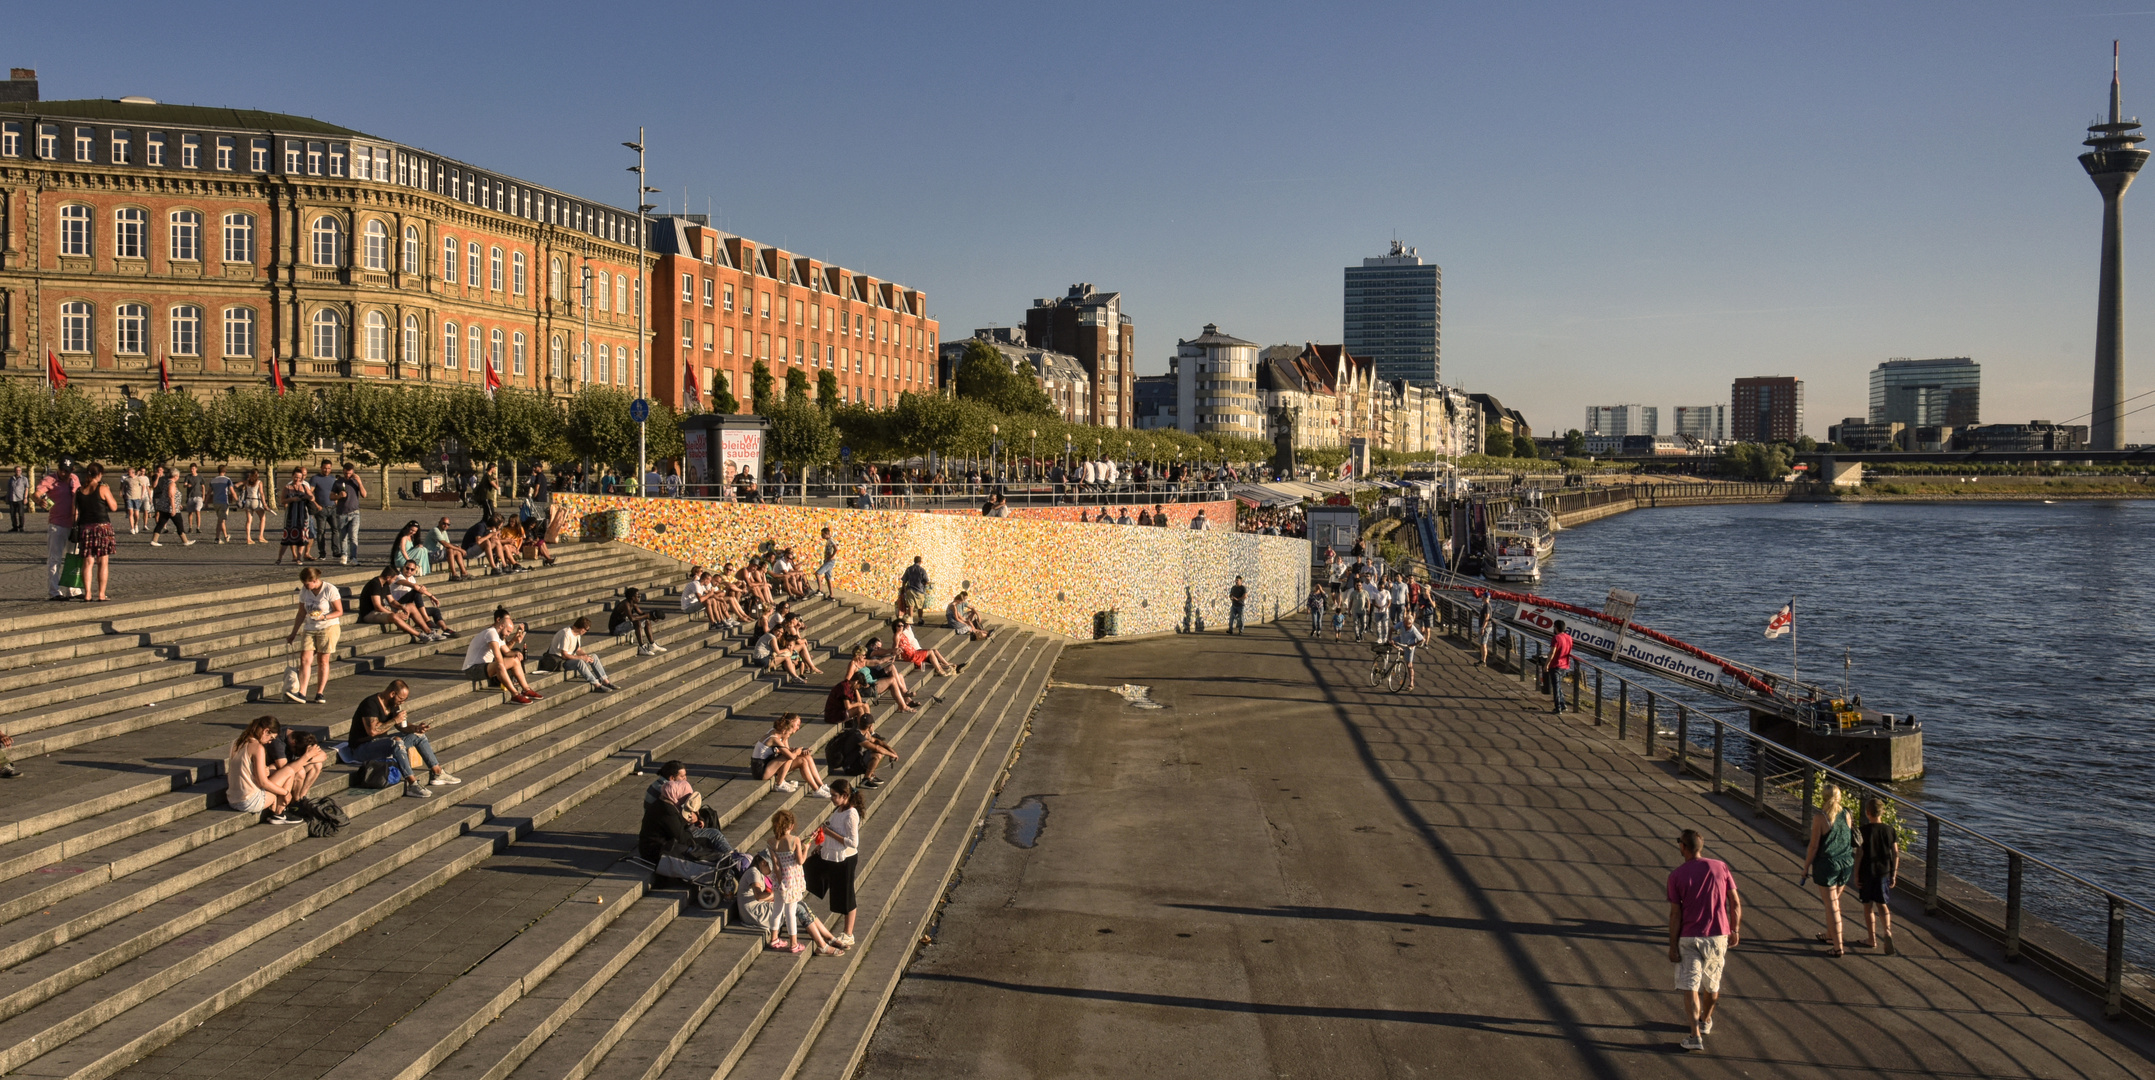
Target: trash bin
column 617, row 524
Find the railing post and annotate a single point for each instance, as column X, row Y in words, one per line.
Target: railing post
column 1577, row 676
column 1718, row 728
column 1650, row 723
column 1930, row 864
column 1810, row 792
column 1623, row 709
column 2114, row 961
column 2012, row 905
column 1597, row 697
column 1758, row 777
column 1683, row 738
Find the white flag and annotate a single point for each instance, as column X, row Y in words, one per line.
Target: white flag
column 1782, row 622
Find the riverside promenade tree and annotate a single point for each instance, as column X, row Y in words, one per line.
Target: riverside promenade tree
column 801, row 436
column 384, row 426
column 985, row 375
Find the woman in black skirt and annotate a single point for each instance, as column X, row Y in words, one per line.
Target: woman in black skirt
column 832, row 872
column 93, row 531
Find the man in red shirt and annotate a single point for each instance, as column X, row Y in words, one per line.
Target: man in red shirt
column 1558, row 666
column 1705, row 922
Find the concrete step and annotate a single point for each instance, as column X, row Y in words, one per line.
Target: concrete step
column 31, row 664
column 707, row 1021
column 424, row 1040
column 184, row 763
column 537, row 782
column 925, row 839
column 855, row 1008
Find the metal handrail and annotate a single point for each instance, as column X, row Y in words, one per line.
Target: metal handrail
column 2016, row 857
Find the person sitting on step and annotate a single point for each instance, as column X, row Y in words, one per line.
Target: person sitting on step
column 913, row 652
column 493, row 653
column 378, row 606
column 381, row 732
column 774, row 754
column 301, row 750
column 251, row 786
column 629, row 617
column 964, row 618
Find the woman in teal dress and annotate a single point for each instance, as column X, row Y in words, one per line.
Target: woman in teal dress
column 1830, row 861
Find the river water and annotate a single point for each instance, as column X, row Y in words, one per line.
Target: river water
column 2012, row 630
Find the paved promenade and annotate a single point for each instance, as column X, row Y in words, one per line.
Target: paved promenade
column 1284, row 873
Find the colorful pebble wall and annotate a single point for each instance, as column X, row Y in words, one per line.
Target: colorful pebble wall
column 1220, row 513
column 1051, row 574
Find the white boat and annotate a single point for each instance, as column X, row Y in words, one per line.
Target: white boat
column 1519, row 544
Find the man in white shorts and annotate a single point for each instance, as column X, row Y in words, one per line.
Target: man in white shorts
column 1705, row 922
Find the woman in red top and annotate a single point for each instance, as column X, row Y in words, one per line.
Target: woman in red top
column 911, row 651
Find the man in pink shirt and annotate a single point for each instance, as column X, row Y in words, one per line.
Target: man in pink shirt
column 1705, row 922
column 59, row 486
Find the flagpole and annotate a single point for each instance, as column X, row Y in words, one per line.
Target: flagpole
column 1795, row 664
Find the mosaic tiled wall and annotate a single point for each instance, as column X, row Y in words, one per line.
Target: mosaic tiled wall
column 1051, row 574
column 1221, row 514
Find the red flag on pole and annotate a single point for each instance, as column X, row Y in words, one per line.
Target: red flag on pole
column 276, row 373
column 695, row 393
column 54, row 376
column 164, row 374
column 493, row 379
column 1782, row 622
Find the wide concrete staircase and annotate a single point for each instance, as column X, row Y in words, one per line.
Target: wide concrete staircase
column 134, row 905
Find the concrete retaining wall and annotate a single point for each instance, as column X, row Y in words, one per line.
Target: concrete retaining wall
column 1050, row 574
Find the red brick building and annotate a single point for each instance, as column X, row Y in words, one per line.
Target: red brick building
column 215, row 240
column 1092, row 326
column 723, row 302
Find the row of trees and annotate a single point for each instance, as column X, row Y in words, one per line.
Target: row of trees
column 372, row 424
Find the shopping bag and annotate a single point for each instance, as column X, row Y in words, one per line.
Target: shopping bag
column 71, row 575
column 295, row 678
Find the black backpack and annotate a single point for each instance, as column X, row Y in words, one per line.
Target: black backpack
column 843, row 755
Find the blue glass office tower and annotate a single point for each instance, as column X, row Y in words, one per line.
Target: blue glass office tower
column 1394, row 316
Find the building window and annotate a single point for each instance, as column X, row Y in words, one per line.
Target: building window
column 314, row 158
column 11, row 139
column 85, row 144
column 688, row 288
column 763, row 304
column 606, row 363
column 186, row 331
column 710, row 337
column 239, row 238
column 494, row 351
column 153, row 148
column 128, row 225
column 606, row 292
column 493, row 270
column 448, row 259
column 75, row 326
column 728, row 303
column 763, row 346
column 516, row 272
column 728, row 336
column 516, row 354
column 328, row 241
column 621, row 291
column 239, row 331
column 225, row 150
column 377, row 336
column 377, row 249
column 186, row 235
column 472, row 255
column 328, row 334
column 336, row 159
column 553, row 357
column 708, row 287
column 448, row 346
column 75, row 230
column 130, row 329
column 553, row 279
column 583, row 363
column 190, row 151
column 411, row 249
column 48, row 142
column 258, row 155
column 411, row 339
column 475, row 351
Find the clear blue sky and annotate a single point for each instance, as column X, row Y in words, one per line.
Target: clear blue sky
column 1631, row 202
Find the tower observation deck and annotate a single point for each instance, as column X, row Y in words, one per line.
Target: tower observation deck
column 2114, row 157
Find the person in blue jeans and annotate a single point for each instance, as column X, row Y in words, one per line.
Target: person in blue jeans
column 381, row 732
column 1236, row 596
column 1316, row 610
column 1558, row 665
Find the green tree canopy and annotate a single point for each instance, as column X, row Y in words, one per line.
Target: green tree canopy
column 828, row 396
column 801, row 434
column 759, row 387
column 722, row 399
column 797, row 385
column 598, row 426
column 1496, row 441
column 985, row 376
column 1574, row 443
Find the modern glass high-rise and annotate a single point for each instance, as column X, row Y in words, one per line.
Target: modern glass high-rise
column 1394, row 316
column 1945, row 392
column 1623, row 420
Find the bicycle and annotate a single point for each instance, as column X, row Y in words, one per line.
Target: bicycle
column 1388, row 669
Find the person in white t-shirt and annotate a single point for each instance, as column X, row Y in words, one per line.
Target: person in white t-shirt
column 321, row 607
column 839, row 855
column 493, row 654
column 1378, row 605
column 568, row 650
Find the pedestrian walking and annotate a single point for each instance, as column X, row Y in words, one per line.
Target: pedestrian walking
column 1558, row 666
column 320, row 512
column 1488, row 632
column 18, row 498
column 1237, row 594
column 826, row 582
column 138, row 500
column 196, row 493
column 1316, row 604
column 320, row 616
column 1408, row 637
column 1705, row 922
column 1878, row 870
column 347, row 491
column 168, row 499
column 254, row 502
column 1829, row 860
column 220, row 503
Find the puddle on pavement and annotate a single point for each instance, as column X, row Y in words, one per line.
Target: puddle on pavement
column 1025, row 820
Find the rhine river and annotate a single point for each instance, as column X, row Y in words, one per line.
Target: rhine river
column 2012, row 630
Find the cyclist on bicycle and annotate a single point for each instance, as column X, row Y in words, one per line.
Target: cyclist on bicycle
column 1406, row 635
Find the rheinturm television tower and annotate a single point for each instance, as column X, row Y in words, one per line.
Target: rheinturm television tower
column 2113, row 158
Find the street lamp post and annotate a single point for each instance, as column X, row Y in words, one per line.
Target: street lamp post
column 643, row 316
column 1032, row 460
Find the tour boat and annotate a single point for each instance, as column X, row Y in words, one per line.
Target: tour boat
column 1519, row 543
